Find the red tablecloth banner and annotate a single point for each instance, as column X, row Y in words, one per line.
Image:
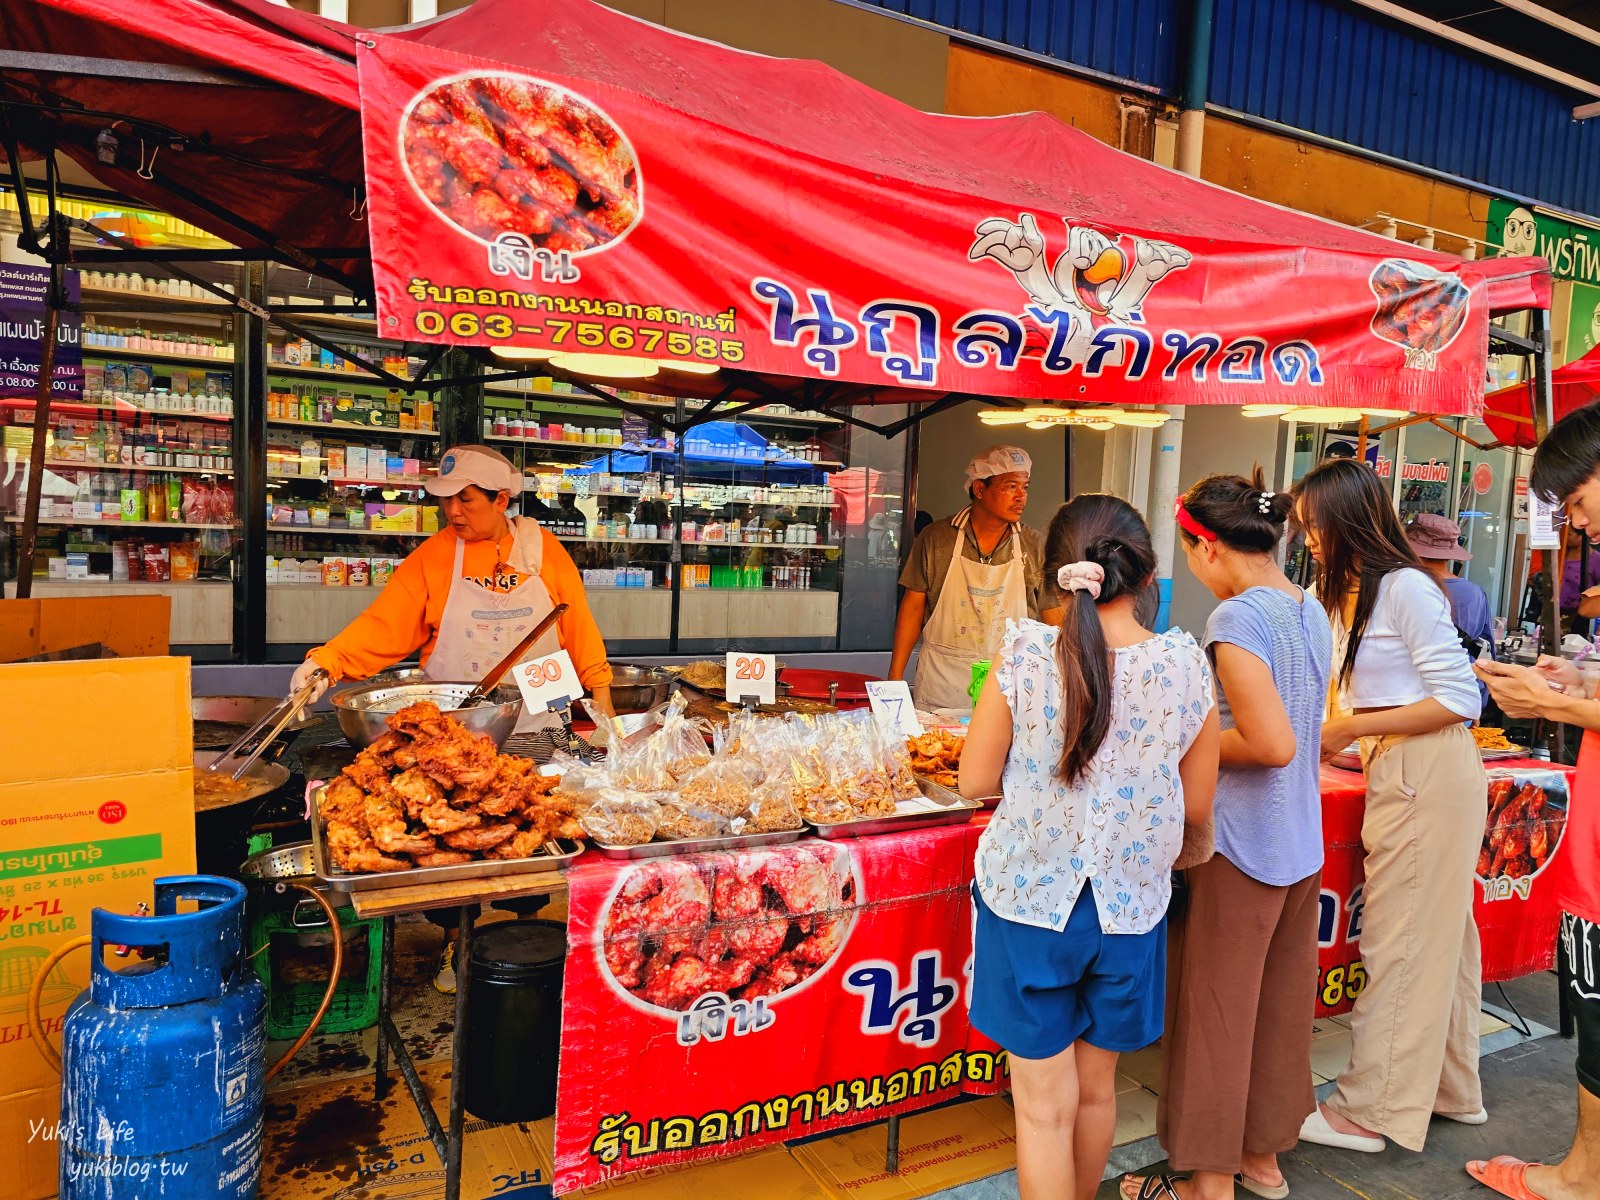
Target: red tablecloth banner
column 1526, row 815
column 720, row 1002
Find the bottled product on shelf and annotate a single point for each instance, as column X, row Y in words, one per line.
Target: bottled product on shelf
column 99, row 335
column 323, row 404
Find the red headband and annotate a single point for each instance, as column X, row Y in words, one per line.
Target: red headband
column 1187, row 521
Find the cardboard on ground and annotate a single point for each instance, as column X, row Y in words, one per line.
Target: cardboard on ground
column 96, row 803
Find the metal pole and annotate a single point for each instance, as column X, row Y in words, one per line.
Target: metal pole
column 250, row 472
column 466, row 920
column 28, row 544
column 1543, row 418
column 1164, row 487
column 1196, row 82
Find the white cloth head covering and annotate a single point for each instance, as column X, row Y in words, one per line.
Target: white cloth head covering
column 999, row 460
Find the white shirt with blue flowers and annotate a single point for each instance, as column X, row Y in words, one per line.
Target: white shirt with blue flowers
column 1120, row 826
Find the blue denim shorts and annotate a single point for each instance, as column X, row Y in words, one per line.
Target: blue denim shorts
column 1036, row 991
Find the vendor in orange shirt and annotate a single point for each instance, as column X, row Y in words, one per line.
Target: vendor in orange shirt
column 465, row 597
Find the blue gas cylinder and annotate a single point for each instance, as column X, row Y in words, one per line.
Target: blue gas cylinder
column 162, row 1072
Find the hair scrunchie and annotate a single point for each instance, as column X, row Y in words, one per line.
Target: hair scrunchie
column 1081, row 577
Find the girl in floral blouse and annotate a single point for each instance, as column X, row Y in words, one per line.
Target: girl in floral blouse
column 1102, row 737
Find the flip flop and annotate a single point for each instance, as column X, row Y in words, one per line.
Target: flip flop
column 1506, row 1175
column 1154, row 1187
column 1267, row 1191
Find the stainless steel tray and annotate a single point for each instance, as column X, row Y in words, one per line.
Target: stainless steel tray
column 955, row 809
column 489, row 868
column 1502, row 755
column 737, row 841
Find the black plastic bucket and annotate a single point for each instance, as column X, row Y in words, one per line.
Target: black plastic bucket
column 514, row 1020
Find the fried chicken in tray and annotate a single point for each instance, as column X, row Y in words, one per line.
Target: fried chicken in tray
column 431, row 793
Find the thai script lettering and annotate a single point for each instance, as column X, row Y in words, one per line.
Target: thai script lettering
column 621, row 1137
column 927, row 996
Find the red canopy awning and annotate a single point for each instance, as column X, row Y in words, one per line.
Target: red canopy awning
column 860, row 196
column 1509, row 412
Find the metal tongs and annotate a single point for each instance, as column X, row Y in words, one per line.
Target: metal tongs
column 279, row 717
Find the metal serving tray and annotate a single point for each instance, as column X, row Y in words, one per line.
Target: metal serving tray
column 736, row 841
column 490, row 868
column 939, row 806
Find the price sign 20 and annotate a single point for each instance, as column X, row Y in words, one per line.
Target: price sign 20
column 750, row 675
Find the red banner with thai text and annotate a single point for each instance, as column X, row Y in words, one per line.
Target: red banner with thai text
column 1515, row 910
column 719, row 1002
column 552, row 213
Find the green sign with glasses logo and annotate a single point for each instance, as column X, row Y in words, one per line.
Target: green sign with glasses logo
column 1573, row 250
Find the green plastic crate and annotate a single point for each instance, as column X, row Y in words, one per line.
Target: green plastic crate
column 293, row 956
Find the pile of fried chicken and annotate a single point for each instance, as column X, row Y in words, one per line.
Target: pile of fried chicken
column 431, row 793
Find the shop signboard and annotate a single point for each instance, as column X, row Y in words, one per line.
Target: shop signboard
column 1583, row 320
column 23, row 290
column 1572, row 250
column 559, row 214
column 716, row 1003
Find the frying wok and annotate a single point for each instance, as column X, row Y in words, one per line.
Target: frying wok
column 222, row 824
column 219, row 720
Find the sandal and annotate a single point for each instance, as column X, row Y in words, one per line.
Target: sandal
column 1506, row 1175
column 1267, row 1191
column 1153, row 1187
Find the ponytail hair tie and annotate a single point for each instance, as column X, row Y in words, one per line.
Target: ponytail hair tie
column 1081, row 577
column 1264, row 502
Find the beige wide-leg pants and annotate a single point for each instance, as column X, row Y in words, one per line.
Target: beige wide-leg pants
column 1414, row 1031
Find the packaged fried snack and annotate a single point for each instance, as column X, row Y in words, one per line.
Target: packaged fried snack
column 772, row 808
column 682, row 821
column 619, row 818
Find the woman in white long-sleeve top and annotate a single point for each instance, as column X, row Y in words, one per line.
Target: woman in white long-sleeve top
column 1404, row 688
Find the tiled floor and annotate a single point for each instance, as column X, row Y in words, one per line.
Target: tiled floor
column 1139, row 1074
column 424, row 1022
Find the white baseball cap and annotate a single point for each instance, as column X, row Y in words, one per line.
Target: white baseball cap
column 464, row 465
column 999, row 460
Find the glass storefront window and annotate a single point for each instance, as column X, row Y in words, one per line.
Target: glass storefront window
column 1428, row 456
column 1483, row 507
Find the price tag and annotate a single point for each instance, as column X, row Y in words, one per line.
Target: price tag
column 751, row 675
column 548, row 682
column 1542, row 534
column 891, row 703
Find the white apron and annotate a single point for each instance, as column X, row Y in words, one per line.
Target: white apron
column 480, row 626
column 968, row 622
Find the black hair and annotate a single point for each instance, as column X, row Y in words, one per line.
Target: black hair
column 1361, row 541
column 1109, row 531
column 482, row 491
column 1239, row 511
column 1569, row 455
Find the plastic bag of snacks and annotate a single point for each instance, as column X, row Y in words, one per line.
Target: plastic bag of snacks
column 772, row 808
column 679, row 822
column 674, row 751
column 722, row 785
column 618, row 818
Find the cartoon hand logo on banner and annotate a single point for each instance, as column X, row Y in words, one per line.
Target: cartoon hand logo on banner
column 1098, row 280
column 1421, row 310
column 742, row 926
column 503, row 156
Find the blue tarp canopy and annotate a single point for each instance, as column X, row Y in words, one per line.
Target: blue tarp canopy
column 713, row 448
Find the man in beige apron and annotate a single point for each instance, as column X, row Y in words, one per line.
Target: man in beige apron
column 982, row 567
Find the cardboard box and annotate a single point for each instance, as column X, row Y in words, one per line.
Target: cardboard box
column 128, row 626
column 91, row 814
column 333, row 1140
column 939, row 1149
